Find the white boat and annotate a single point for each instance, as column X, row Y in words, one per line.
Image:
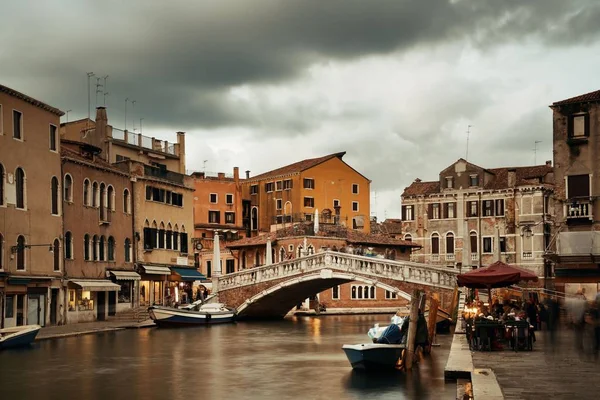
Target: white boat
column 374, row 356
column 18, row 336
column 197, row 313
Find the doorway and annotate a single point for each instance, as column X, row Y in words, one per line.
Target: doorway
column 54, row 306
column 112, row 303
column 36, row 309
column 101, row 311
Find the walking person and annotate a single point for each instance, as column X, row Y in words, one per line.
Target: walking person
column 553, row 315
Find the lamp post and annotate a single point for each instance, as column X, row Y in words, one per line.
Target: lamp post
column 17, row 248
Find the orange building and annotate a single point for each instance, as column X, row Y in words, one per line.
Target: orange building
column 218, row 207
column 294, row 192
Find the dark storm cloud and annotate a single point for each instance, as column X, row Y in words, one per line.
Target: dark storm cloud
column 178, row 59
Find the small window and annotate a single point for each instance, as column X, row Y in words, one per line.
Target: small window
column 309, row 183
column 579, row 125
column 86, row 192
column 278, row 185
column 20, row 184
column 488, row 245
column 355, row 188
column 309, row 202
column 435, row 244
column 54, row 196
column 214, row 217
column 335, row 292
column 503, row 244
column 355, row 206
column 449, row 182
column 229, row 198
column 53, row 139
column 213, row 198
column 578, row 186
column 308, row 217
column 474, row 180
column 126, row 202
column 254, row 189
column 407, row 213
column 68, row 188
column 336, row 203
column 451, row 211
column 17, row 125
column 390, row 295
column 435, row 211
column 269, row 187
column 68, row 246
column 500, row 207
column 488, row 208
column 287, row 184
column 473, row 208
column 229, row 217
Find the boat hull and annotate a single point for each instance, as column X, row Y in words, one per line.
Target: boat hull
column 165, row 317
column 18, row 336
column 373, row 356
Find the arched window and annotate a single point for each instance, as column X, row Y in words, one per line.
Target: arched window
column 450, row 243
column 183, row 238
column 161, row 236
column 408, row 237
column 176, row 238
column 21, row 253
column 95, row 248
column 126, row 205
column 1, row 185
column 95, row 199
column 101, row 247
column 68, row 245
column 300, row 251
column 281, row 254
column 435, row 243
column 110, row 198
column 473, row 243
column 86, row 247
column 1, row 251
column 68, row 188
column 86, row 192
column 54, row 196
column 360, row 292
column 127, row 250
column 111, row 248
column 102, row 200
column 311, row 249
column 372, row 292
column 20, row 183
column 353, row 292
column 56, row 251
column 254, row 219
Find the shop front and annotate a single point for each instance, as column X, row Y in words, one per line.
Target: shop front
column 90, row 300
column 153, row 284
column 128, row 282
column 25, row 301
column 181, row 284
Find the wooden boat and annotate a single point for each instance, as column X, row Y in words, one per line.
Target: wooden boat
column 18, row 336
column 374, row 356
column 197, row 313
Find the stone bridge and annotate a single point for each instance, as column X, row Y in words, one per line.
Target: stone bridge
column 273, row 290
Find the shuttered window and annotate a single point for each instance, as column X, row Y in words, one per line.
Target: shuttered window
column 578, row 186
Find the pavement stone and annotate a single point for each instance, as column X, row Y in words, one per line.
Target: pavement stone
column 460, row 363
column 547, row 372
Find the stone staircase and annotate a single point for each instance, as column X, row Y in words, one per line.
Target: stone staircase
column 138, row 314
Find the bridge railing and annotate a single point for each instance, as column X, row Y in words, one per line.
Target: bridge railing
column 367, row 266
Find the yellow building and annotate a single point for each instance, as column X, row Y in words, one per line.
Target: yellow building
column 294, row 193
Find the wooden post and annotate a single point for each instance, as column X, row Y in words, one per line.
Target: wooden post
column 431, row 324
column 412, row 328
column 454, row 304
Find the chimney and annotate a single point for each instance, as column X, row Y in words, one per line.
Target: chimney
column 221, row 175
column 418, row 180
column 97, row 137
column 247, row 174
column 181, row 152
column 512, row 177
column 236, row 174
column 549, row 163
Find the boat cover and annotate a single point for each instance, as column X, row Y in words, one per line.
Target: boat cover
column 391, row 335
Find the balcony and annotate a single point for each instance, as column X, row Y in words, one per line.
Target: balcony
column 164, row 174
column 435, row 257
column 474, row 257
column 579, row 210
column 450, row 257
column 527, row 255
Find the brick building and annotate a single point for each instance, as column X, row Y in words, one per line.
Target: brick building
column 500, row 210
column 576, row 248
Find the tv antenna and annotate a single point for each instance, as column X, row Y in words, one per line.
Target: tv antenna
column 535, row 151
column 89, row 77
column 468, row 132
column 204, row 165
column 105, row 77
column 67, row 114
column 99, row 89
column 126, row 100
column 132, row 112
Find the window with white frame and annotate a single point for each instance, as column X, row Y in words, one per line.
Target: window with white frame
column 126, row 202
column 449, row 182
column 229, row 217
column 213, row 197
column 229, row 198
column 279, row 185
column 17, row 125
column 269, row 187
column 53, row 139
column 68, row 188
column 488, row 245
column 335, row 292
column 362, row 292
column 390, row 295
column 278, row 204
column 355, row 188
column 355, row 206
column 309, row 183
column 287, row 184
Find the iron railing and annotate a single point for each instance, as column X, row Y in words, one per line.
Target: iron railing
column 164, row 174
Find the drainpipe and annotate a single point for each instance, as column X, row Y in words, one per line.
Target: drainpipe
column 134, row 246
column 479, row 240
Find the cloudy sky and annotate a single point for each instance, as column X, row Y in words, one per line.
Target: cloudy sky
column 262, row 83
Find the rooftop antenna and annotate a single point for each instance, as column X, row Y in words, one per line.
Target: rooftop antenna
column 204, row 165
column 141, row 119
column 89, row 76
column 105, row 77
column 98, row 89
column 132, row 111
column 375, row 200
column 126, row 100
column 468, row 132
column 535, row 151
column 67, row 114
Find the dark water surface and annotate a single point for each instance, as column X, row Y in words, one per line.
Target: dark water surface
column 298, row 358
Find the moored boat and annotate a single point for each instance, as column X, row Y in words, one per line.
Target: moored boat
column 374, row 356
column 198, row 313
column 18, row 336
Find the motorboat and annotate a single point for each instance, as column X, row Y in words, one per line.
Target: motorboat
column 18, row 336
column 201, row 312
column 374, row 356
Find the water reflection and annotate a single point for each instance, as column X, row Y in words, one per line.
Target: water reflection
column 299, row 358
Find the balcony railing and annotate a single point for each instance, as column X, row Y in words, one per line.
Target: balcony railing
column 527, row 255
column 579, row 210
column 450, row 257
column 435, row 257
column 163, row 174
column 137, row 139
column 474, row 257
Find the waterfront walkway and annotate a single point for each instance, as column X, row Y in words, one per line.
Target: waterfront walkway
column 546, row 372
column 84, row 328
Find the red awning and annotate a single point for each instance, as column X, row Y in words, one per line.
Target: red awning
column 496, row 275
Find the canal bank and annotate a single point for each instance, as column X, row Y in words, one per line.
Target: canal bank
column 87, row 328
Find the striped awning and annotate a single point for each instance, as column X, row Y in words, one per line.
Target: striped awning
column 98, row 285
column 156, row 270
column 126, row 275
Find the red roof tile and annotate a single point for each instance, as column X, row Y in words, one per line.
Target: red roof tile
column 421, row 188
column 524, row 176
column 298, row 166
column 584, row 98
column 96, row 162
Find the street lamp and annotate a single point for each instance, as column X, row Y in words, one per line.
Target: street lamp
column 17, row 248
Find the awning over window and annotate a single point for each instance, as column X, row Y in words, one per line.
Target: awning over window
column 126, row 275
column 99, row 285
column 188, row 274
column 18, row 281
column 155, row 270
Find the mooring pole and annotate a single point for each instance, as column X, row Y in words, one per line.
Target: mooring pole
column 431, row 324
column 412, row 328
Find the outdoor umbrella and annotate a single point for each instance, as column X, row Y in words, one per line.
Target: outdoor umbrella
column 496, row 275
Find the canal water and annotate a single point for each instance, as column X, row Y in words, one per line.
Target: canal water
column 296, row 358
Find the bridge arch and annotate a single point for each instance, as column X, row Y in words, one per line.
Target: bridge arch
column 279, row 299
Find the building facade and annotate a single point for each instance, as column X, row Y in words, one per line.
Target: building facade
column 31, row 267
column 294, row 192
column 218, row 208
column 505, row 213
column 98, row 235
column 576, row 243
